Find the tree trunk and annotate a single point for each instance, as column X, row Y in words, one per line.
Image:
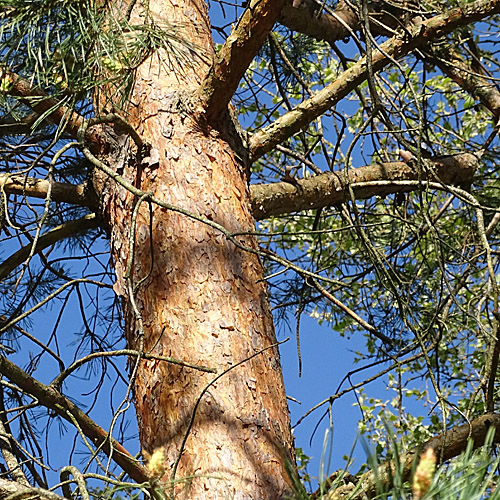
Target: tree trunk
column 201, row 299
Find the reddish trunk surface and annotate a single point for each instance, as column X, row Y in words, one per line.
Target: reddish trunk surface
column 203, row 300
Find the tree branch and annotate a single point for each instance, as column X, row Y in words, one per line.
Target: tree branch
column 327, row 27
column 10, row 126
column 236, row 54
column 479, row 86
column 415, row 35
column 332, row 26
column 282, row 197
column 14, row 490
column 66, row 230
column 42, row 103
column 331, row 188
column 78, row 194
column 339, row 24
column 51, row 398
column 53, row 109
column 446, row 446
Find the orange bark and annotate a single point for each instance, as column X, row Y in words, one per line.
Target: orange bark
column 203, row 299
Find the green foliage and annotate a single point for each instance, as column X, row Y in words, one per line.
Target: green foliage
column 302, row 463
column 414, row 266
column 71, row 48
column 473, row 475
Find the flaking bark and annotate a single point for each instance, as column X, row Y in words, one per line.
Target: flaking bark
column 199, row 298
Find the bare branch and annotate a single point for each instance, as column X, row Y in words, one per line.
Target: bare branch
column 236, row 54
column 66, row 230
column 331, row 188
column 78, row 194
column 14, row 490
column 125, row 352
column 282, row 197
column 460, row 72
column 324, row 26
column 51, row 398
column 401, row 44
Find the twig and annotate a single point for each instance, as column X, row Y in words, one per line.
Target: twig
column 78, row 478
column 66, row 230
column 125, row 352
column 48, row 298
column 376, row 333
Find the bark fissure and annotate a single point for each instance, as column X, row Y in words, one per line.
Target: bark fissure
column 192, row 265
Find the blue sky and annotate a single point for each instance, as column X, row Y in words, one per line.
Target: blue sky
column 326, row 358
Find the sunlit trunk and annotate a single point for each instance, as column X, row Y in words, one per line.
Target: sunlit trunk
column 202, row 300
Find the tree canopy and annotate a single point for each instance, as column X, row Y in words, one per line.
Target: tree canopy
column 368, row 131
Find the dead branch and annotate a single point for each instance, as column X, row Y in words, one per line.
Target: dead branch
column 66, row 230
column 52, row 399
column 16, row 491
column 460, row 71
column 78, row 194
column 282, row 197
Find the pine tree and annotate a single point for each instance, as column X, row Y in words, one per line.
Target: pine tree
column 117, row 117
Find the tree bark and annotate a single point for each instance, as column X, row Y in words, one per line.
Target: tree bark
column 190, row 294
column 380, row 179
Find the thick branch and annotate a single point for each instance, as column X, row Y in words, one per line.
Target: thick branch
column 460, row 72
column 327, row 27
column 66, row 230
column 51, row 398
column 401, row 44
column 38, row 188
column 446, row 446
column 43, row 104
column 283, row 197
column 331, row 188
column 340, row 23
column 236, row 54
